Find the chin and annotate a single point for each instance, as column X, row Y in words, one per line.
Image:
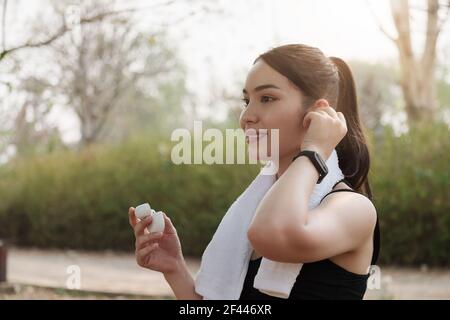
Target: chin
column 255, row 156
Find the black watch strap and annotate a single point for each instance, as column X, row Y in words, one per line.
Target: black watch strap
column 317, row 161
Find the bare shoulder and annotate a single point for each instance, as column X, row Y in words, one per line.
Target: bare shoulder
column 352, row 208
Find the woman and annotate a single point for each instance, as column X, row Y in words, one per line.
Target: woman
column 311, row 99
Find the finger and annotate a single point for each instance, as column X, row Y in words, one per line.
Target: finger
column 328, row 111
column 311, row 115
column 323, row 113
column 341, row 117
column 168, row 225
column 307, row 120
column 139, row 228
column 331, row 112
column 142, row 241
column 144, row 252
column 132, row 217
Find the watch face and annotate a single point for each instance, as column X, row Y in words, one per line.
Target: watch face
column 320, row 161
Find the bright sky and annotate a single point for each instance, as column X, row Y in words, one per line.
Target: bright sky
column 219, row 49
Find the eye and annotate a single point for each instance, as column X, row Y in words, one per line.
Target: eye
column 266, row 99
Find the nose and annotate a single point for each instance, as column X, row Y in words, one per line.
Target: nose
column 248, row 117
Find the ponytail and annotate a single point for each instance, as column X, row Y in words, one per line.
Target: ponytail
column 353, row 151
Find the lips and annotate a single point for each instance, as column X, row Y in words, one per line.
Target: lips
column 252, row 136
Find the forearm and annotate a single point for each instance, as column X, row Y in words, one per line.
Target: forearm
column 182, row 284
column 275, row 211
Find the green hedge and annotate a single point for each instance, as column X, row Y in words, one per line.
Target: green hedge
column 80, row 200
column 410, row 176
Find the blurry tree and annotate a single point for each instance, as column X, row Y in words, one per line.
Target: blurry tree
column 418, row 79
column 64, row 27
column 32, row 134
column 151, row 107
column 24, row 127
column 26, row 131
column 114, row 77
column 443, row 82
column 376, row 90
column 102, row 65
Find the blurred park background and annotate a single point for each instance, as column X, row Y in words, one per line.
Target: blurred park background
column 90, row 92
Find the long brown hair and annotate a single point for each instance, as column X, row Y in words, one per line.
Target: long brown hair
column 318, row 76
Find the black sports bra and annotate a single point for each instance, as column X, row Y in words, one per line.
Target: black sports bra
column 318, row 280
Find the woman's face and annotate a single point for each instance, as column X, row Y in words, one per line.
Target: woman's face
column 271, row 101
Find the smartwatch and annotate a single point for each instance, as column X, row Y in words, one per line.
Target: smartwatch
column 317, row 161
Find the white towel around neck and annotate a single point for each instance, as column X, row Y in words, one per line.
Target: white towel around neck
column 225, row 260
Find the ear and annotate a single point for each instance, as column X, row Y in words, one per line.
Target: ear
column 321, row 103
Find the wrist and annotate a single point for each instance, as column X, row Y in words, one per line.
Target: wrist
column 317, row 158
column 323, row 153
column 305, row 162
column 179, row 268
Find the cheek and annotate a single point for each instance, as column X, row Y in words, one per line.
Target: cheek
column 290, row 129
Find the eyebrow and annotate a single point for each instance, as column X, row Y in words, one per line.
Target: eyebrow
column 262, row 87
